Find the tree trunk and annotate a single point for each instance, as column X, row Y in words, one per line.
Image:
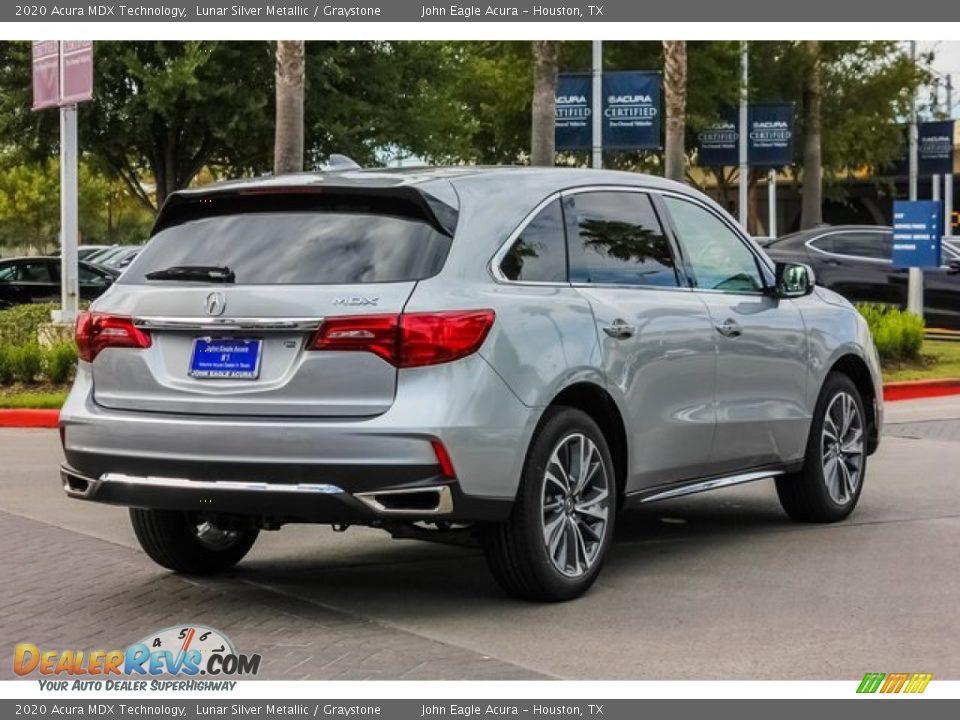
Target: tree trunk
column 675, row 102
column 288, row 137
column 811, row 213
column 542, row 137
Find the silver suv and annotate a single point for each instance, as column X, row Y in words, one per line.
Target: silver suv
column 499, row 356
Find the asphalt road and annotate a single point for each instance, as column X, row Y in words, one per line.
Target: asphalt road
column 716, row 586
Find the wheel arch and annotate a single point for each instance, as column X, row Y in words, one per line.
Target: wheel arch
column 596, row 402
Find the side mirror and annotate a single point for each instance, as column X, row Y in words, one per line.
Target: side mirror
column 793, row 280
column 953, row 267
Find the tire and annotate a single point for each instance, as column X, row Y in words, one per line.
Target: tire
column 578, row 519
column 829, row 486
column 176, row 541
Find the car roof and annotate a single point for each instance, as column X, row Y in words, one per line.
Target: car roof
column 536, row 179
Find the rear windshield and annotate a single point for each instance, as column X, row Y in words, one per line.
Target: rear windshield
column 298, row 241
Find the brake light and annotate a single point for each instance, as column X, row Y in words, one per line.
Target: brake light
column 97, row 332
column 411, row 339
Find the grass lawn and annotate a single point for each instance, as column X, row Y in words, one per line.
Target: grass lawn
column 939, row 359
column 27, row 399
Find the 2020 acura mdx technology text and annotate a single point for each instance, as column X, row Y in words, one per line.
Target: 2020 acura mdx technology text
column 493, row 354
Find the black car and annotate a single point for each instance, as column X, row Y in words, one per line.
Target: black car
column 855, row 261
column 37, row 279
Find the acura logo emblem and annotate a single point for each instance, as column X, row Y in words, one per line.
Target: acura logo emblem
column 215, row 303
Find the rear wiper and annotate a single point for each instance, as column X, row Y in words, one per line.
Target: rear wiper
column 204, row 273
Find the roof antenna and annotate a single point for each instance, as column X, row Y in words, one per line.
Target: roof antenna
column 340, row 163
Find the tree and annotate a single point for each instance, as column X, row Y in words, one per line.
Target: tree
column 290, row 77
column 811, row 213
column 675, row 102
column 542, row 133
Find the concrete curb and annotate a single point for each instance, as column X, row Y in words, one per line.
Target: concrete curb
column 29, row 418
column 892, row 392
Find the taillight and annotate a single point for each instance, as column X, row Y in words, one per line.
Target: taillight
column 97, row 331
column 411, row 339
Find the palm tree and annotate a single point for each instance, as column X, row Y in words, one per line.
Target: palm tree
column 288, row 131
column 675, row 101
column 811, row 213
column 542, row 138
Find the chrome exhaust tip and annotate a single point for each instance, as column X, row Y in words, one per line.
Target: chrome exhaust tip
column 413, row 501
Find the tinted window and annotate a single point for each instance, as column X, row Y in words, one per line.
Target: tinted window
column 88, row 276
column 539, row 253
column 34, row 271
column 824, row 244
column 282, row 240
column 615, row 237
column 717, row 256
column 7, row 273
column 878, row 246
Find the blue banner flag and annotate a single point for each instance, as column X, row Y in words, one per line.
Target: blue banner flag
column 769, row 144
column 631, row 111
column 573, row 115
column 935, row 148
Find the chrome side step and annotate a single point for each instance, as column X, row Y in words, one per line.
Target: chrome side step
column 712, row 484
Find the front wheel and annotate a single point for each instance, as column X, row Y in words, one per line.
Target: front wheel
column 190, row 543
column 554, row 543
column 829, row 486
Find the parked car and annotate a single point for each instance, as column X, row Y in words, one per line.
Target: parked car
column 85, row 251
column 123, row 257
column 855, row 261
column 37, row 279
column 501, row 356
column 100, row 257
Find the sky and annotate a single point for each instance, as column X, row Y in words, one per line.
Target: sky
column 947, row 61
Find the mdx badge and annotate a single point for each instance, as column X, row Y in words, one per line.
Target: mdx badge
column 356, row 300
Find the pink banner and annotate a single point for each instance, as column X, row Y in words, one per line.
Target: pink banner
column 46, row 74
column 77, row 71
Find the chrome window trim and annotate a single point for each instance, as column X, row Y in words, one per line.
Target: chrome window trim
column 809, row 245
column 493, row 267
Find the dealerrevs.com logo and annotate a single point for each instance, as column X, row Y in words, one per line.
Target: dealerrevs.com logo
column 186, row 650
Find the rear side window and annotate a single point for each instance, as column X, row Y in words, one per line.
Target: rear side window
column 539, row 254
column 292, row 240
column 878, row 246
column 615, row 237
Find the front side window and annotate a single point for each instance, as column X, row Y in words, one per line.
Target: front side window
column 7, row 273
column 616, row 238
column 718, row 259
column 539, row 254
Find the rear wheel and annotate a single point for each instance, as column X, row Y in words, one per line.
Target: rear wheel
column 554, row 543
column 829, row 486
column 189, row 542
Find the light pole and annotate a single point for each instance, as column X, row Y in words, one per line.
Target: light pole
column 597, row 109
column 744, row 133
column 915, row 277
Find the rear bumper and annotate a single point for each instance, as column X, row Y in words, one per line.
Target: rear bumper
column 281, row 502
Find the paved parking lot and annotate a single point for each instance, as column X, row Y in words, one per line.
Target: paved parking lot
column 719, row 585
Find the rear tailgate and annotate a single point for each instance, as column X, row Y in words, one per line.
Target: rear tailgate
column 243, row 348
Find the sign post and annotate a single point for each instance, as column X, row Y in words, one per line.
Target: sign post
column 63, row 76
column 597, row 105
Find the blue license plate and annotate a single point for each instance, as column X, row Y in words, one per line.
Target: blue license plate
column 226, row 358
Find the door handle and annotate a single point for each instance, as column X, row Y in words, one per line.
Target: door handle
column 619, row 329
column 729, row 328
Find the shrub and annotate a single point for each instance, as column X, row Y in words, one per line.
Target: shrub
column 898, row 334
column 23, row 362
column 18, row 324
column 6, row 364
column 59, row 363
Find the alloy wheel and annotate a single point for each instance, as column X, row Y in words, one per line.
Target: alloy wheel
column 576, row 505
column 842, row 448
